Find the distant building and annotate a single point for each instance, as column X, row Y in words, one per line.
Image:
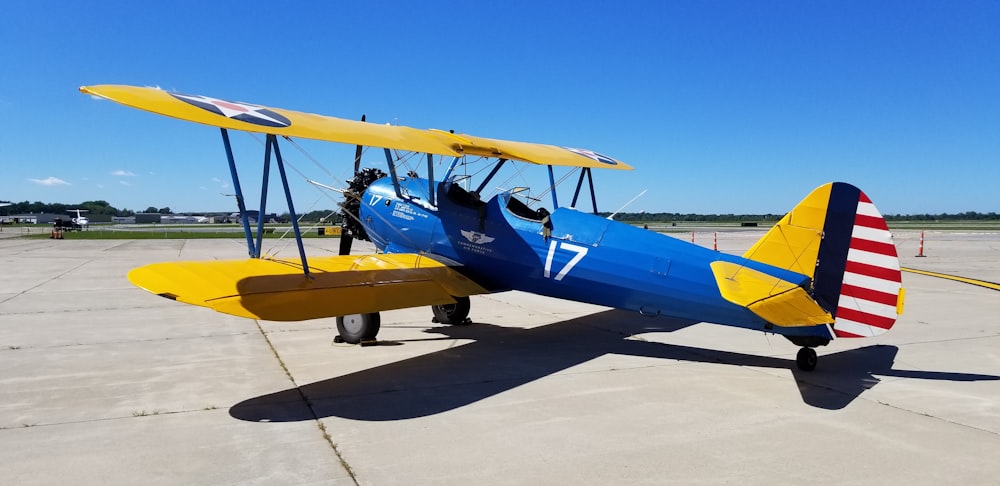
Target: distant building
column 182, row 219
column 252, row 215
column 147, row 218
column 37, row 218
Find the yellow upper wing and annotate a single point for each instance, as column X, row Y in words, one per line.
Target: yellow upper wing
column 262, row 119
column 277, row 290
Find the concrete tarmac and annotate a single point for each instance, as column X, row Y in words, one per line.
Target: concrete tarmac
column 103, row 383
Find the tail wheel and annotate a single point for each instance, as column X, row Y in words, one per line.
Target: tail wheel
column 806, row 359
column 456, row 313
column 355, row 328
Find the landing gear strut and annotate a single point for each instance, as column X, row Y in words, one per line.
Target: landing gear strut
column 455, row 314
column 806, row 359
column 358, row 328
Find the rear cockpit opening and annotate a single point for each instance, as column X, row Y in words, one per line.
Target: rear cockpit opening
column 458, row 195
column 521, row 210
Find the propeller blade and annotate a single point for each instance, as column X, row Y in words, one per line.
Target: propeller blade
column 346, row 236
column 345, row 242
column 357, row 154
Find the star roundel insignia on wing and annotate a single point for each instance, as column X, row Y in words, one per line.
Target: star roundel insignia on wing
column 258, row 115
column 604, row 159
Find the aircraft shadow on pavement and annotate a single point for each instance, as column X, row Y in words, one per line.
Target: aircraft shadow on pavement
column 503, row 358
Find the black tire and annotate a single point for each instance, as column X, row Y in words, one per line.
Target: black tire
column 806, row 359
column 356, row 328
column 453, row 313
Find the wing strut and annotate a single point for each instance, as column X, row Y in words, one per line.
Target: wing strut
column 239, row 194
column 451, row 168
column 291, row 207
column 552, row 184
column 579, row 185
column 488, row 178
column 430, row 179
column 593, row 195
column 392, row 173
column 263, row 197
column 253, row 247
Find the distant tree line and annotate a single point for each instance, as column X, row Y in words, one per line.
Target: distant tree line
column 647, row 217
column 966, row 216
column 333, row 216
column 94, row 207
column 103, row 207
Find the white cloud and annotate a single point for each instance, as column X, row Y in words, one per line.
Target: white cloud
column 124, row 183
column 123, row 173
column 50, row 181
column 222, row 184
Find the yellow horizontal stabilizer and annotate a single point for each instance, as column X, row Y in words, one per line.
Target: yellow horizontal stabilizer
column 775, row 300
column 261, row 119
column 277, row 290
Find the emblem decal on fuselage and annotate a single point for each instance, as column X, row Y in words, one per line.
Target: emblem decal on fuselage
column 244, row 112
column 477, row 237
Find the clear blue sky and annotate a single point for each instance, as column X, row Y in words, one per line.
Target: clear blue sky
column 721, row 106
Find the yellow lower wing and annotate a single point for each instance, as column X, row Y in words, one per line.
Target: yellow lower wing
column 277, row 289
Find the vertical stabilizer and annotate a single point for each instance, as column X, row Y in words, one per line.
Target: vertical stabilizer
column 838, row 238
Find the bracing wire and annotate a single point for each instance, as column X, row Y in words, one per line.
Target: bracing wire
column 558, row 182
column 274, row 250
column 328, row 196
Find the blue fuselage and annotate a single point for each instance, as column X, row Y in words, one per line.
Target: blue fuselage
column 504, row 245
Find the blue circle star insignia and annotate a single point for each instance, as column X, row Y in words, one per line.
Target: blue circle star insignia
column 590, row 154
column 244, row 112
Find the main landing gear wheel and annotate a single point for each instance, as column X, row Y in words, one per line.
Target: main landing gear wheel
column 455, row 314
column 358, row 328
column 806, row 359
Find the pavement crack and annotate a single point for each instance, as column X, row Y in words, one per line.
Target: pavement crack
column 948, row 340
column 114, row 247
column 135, row 414
column 14, row 347
column 935, row 417
column 309, row 405
column 57, row 277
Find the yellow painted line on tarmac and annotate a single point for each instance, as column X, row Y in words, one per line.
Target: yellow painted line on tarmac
column 981, row 283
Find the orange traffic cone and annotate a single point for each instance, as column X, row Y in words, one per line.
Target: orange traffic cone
column 920, row 251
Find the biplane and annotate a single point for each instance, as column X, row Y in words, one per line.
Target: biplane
column 828, row 269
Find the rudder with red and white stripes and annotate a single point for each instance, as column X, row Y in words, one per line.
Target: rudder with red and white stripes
column 871, row 292
column 857, row 274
